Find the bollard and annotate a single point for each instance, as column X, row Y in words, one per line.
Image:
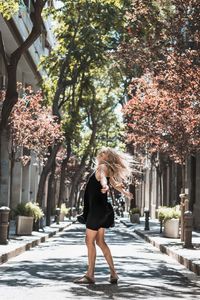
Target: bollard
column 4, row 224
column 146, row 213
column 161, row 226
column 57, row 217
column 188, row 224
column 183, row 197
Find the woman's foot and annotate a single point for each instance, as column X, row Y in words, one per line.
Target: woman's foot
column 114, row 279
column 84, row 280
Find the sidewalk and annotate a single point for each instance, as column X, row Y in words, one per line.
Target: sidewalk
column 190, row 258
column 19, row 244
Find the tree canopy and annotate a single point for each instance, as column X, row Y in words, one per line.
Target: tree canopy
column 163, row 112
column 32, row 125
column 84, row 84
column 90, row 81
column 8, row 8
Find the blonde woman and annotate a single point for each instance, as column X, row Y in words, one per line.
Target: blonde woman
column 112, row 167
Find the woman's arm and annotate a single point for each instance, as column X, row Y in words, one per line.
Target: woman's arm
column 101, row 174
column 120, row 187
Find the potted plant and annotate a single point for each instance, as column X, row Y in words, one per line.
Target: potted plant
column 37, row 214
column 27, row 213
column 170, row 217
column 134, row 215
column 63, row 212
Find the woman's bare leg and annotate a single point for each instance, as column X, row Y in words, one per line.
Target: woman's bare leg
column 90, row 242
column 106, row 251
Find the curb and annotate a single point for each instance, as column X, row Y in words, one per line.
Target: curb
column 188, row 263
column 191, row 264
column 30, row 241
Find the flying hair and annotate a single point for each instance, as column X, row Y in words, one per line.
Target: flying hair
column 120, row 164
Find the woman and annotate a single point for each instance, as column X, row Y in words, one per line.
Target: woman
column 112, row 167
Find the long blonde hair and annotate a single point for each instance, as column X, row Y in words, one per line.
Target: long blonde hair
column 120, row 164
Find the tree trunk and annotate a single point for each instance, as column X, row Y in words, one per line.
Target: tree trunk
column 12, row 164
column 79, row 201
column 133, row 200
column 183, row 177
column 50, row 194
column 46, row 170
column 11, row 97
column 78, row 174
column 62, row 176
column 76, row 195
column 62, row 182
column 76, row 179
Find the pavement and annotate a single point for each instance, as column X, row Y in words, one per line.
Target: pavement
column 190, row 258
column 18, row 244
column 48, row 271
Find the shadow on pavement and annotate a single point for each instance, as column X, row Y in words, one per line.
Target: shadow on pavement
column 140, row 276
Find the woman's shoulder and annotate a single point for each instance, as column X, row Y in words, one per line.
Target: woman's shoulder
column 105, row 168
column 102, row 165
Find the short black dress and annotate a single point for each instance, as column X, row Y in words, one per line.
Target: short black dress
column 98, row 212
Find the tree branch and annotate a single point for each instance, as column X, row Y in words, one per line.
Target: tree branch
column 2, row 51
column 11, row 65
column 36, row 18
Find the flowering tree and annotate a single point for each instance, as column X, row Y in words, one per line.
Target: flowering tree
column 162, row 50
column 33, row 126
column 155, row 29
column 164, row 113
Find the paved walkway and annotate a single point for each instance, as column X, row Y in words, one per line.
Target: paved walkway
column 190, row 258
column 47, row 271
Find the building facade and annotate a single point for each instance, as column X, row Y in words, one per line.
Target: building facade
column 19, row 183
column 162, row 185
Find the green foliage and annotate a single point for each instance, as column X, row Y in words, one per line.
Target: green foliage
column 90, row 85
column 63, row 209
column 167, row 213
column 134, row 210
column 8, row 8
column 29, row 209
column 85, row 35
column 21, row 210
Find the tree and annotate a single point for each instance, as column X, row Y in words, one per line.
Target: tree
column 163, row 50
column 85, row 37
column 8, row 8
column 98, row 121
column 164, row 114
column 157, row 28
column 32, row 123
column 11, row 61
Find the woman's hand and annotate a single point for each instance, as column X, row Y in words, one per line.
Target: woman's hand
column 105, row 188
column 129, row 195
column 119, row 185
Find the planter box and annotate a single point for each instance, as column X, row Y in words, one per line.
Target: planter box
column 62, row 217
column 24, row 225
column 135, row 218
column 171, row 228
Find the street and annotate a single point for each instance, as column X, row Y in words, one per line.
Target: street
column 48, row 271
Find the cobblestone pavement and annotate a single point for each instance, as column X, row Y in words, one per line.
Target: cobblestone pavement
column 48, row 270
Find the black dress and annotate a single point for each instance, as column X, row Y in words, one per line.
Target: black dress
column 97, row 212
